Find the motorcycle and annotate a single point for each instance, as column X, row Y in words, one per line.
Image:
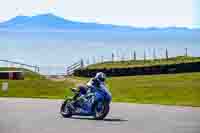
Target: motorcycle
column 96, row 103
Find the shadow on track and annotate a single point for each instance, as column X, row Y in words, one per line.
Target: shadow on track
column 106, row 119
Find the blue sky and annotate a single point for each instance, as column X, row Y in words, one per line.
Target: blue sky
column 139, row 13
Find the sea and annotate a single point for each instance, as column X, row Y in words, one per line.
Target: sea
column 54, row 52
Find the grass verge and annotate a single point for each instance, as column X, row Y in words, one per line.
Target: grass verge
column 171, row 89
column 35, row 86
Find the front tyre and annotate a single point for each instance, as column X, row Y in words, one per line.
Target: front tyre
column 65, row 109
column 101, row 110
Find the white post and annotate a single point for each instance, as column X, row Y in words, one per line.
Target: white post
column 5, row 86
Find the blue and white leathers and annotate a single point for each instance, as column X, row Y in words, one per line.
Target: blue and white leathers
column 94, row 95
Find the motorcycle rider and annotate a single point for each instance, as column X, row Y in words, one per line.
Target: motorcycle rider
column 95, row 82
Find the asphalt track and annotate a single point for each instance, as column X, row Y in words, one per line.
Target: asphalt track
column 42, row 116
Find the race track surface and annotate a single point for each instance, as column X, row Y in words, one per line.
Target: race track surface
column 42, row 116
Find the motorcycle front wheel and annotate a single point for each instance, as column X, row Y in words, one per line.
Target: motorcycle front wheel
column 101, row 110
column 65, row 109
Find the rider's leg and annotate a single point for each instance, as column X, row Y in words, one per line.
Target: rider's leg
column 79, row 98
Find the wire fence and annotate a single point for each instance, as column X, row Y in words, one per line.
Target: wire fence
column 155, row 54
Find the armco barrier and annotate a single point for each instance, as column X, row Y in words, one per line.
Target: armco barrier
column 148, row 70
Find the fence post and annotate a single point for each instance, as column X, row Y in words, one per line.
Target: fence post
column 35, row 68
column 135, row 58
column 67, row 70
column 186, row 52
column 82, row 63
column 113, row 57
column 167, row 56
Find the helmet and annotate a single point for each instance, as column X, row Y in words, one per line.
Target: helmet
column 100, row 77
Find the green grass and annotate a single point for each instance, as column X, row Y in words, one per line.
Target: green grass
column 170, row 89
column 37, row 89
column 35, row 86
column 173, row 89
column 141, row 63
column 167, row 89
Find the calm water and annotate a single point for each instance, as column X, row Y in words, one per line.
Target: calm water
column 54, row 53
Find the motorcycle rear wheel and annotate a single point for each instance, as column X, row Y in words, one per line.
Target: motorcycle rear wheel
column 65, row 109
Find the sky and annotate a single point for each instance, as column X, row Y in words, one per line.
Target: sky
column 138, row 13
column 196, row 19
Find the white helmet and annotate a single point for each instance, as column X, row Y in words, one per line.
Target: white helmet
column 100, row 76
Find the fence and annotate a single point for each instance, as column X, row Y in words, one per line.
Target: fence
column 169, row 65
column 133, row 56
column 154, row 54
column 75, row 66
column 22, row 65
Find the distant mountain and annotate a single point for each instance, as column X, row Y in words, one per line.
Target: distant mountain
column 51, row 22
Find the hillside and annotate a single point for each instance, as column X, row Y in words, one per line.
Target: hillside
column 50, row 21
column 142, row 63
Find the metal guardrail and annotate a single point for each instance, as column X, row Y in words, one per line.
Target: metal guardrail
column 36, row 68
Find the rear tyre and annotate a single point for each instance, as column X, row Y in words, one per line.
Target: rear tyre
column 65, row 109
column 100, row 114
